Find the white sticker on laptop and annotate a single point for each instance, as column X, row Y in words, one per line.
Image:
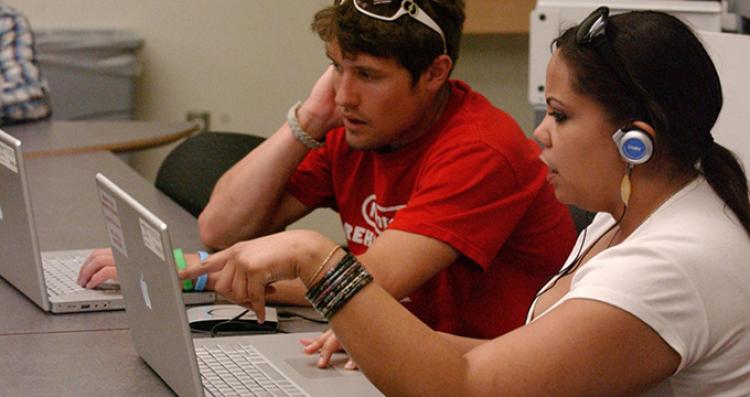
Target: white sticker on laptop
column 112, row 219
column 152, row 239
column 8, row 157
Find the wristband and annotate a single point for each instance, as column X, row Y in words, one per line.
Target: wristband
column 200, row 282
column 179, row 260
column 298, row 132
column 203, row 255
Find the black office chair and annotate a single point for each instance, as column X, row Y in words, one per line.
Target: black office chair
column 190, row 171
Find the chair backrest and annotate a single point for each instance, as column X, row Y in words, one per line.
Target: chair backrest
column 190, row 171
column 581, row 217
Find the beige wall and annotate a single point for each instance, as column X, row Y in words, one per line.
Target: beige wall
column 247, row 61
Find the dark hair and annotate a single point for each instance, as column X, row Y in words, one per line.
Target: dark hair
column 413, row 45
column 678, row 88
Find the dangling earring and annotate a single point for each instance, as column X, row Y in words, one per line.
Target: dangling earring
column 625, row 187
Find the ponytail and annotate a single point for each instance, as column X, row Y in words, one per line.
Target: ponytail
column 727, row 178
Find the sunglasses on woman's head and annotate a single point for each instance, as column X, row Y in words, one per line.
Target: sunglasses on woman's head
column 593, row 31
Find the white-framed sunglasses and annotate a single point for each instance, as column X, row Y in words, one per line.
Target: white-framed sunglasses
column 391, row 10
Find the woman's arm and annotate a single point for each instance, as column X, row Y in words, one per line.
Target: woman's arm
column 462, row 343
column 582, row 347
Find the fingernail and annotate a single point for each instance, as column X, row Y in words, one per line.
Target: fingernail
column 349, row 365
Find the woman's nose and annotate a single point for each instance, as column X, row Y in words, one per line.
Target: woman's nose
column 541, row 133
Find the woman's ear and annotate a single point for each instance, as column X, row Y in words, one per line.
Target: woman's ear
column 645, row 127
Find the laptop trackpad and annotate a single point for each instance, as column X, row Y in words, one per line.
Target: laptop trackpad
column 307, row 367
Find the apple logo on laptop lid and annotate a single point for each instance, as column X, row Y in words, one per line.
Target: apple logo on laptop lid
column 144, row 292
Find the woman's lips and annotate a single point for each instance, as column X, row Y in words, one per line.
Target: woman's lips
column 551, row 174
column 551, row 171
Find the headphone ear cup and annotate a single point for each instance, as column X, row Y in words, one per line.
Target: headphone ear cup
column 635, row 146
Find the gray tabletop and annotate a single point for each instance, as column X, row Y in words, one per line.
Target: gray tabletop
column 52, row 138
column 90, row 363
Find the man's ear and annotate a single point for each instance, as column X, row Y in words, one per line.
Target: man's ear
column 438, row 72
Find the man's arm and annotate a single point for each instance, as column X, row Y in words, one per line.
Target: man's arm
column 400, row 262
column 250, row 200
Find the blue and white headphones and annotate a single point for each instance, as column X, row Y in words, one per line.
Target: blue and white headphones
column 635, row 146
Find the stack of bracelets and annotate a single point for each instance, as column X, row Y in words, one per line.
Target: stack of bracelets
column 339, row 285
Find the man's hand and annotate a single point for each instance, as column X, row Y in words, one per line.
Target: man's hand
column 326, row 345
column 97, row 268
column 100, row 267
column 319, row 114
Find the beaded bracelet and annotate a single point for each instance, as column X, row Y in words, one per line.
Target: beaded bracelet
column 298, row 132
column 338, row 285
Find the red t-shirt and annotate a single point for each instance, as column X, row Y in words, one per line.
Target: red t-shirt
column 475, row 182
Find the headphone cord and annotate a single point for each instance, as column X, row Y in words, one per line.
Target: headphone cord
column 579, row 256
column 215, row 328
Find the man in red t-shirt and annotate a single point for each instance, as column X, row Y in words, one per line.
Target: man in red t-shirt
column 441, row 196
column 471, row 185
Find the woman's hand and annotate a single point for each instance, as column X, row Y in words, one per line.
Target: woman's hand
column 248, row 268
column 326, row 344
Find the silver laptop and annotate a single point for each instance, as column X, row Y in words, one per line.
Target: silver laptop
column 48, row 278
column 265, row 365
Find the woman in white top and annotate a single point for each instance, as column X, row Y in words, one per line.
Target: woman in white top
column 655, row 298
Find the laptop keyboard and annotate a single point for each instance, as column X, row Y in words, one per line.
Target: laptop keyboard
column 240, row 370
column 61, row 273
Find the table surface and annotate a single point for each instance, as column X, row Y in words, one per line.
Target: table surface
column 89, row 363
column 54, row 138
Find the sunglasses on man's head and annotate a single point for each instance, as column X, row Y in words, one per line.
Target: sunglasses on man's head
column 391, row 10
